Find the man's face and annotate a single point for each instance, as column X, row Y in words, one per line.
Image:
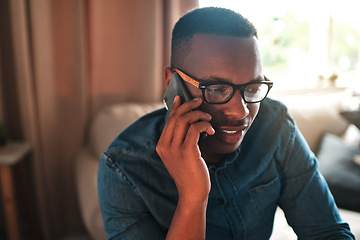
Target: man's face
column 230, row 59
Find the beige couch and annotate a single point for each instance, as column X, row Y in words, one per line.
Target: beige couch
column 314, row 115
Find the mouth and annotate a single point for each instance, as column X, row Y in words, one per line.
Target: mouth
column 232, row 135
column 229, row 131
column 233, row 129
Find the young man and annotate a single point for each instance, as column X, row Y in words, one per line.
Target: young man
column 160, row 179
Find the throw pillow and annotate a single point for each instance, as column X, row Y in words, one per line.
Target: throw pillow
column 336, row 163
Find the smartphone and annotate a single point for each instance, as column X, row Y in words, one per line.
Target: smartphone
column 176, row 87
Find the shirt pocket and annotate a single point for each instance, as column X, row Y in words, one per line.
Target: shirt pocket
column 265, row 198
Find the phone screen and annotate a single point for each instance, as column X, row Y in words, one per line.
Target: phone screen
column 176, row 87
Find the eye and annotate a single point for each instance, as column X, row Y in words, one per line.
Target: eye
column 219, row 89
column 253, row 88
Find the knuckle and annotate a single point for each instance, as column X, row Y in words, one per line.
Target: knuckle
column 172, row 116
column 159, row 148
column 199, row 126
column 182, row 119
column 194, row 127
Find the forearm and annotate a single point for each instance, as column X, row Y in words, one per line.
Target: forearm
column 189, row 221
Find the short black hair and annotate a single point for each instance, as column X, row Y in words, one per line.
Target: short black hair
column 209, row 20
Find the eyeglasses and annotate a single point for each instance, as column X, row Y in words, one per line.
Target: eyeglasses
column 222, row 92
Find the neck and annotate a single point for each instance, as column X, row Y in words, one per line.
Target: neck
column 210, row 157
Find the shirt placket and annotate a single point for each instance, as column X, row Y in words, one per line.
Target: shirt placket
column 230, row 196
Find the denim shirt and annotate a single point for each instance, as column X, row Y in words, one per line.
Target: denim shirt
column 272, row 167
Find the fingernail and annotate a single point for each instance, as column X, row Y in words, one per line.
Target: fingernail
column 196, row 99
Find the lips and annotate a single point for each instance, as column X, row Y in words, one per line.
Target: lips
column 229, row 131
column 232, row 134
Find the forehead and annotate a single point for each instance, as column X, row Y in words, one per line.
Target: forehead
column 225, row 57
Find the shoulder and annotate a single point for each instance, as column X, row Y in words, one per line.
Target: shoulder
column 273, row 116
column 132, row 155
column 272, row 129
column 140, row 138
column 147, row 125
column 273, row 108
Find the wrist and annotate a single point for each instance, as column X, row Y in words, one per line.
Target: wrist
column 193, row 203
column 194, row 194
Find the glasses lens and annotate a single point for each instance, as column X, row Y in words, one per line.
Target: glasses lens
column 218, row 93
column 255, row 92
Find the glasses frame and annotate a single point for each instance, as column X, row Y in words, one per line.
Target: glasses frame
column 202, row 86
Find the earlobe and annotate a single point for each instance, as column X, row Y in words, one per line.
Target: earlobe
column 168, row 74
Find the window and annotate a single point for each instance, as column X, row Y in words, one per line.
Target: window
column 313, row 43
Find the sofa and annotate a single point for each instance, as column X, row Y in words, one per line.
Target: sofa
column 316, row 114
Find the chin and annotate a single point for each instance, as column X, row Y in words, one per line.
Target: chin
column 215, row 146
column 228, row 148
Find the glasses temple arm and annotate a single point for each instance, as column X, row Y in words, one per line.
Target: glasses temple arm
column 186, row 78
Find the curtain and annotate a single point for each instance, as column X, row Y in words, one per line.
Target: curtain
column 61, row 62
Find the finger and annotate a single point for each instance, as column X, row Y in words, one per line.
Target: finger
column 167, row 133
column 176, row 104
column 187, row 107
column 177, row 111
column 193, row 134
column 185, row 121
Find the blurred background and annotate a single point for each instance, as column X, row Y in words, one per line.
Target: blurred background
column 305, row 44
column 61, row 61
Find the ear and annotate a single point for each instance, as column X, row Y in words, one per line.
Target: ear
column 168, row 72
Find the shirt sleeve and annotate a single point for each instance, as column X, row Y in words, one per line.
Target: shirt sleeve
column 124, row 213
column 308, row 204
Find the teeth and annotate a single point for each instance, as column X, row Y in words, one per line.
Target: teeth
column 229, row 132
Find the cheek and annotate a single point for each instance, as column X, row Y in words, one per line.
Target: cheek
column 195, row 92
column 253, row 109
column 216, row 111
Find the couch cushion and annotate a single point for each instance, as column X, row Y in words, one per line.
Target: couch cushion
column 336, row 163
column 114, row 119
column 316, row 112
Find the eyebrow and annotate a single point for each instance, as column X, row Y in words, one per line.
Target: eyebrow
column 210, row 79
column 214, row 79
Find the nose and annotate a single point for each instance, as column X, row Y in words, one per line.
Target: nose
column 237, row 108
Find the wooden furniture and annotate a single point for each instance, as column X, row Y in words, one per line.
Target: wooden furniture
column 10, row 155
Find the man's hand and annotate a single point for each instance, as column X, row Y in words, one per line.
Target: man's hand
column 178, row 149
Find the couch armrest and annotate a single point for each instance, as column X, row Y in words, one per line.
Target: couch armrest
column 86, row 167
